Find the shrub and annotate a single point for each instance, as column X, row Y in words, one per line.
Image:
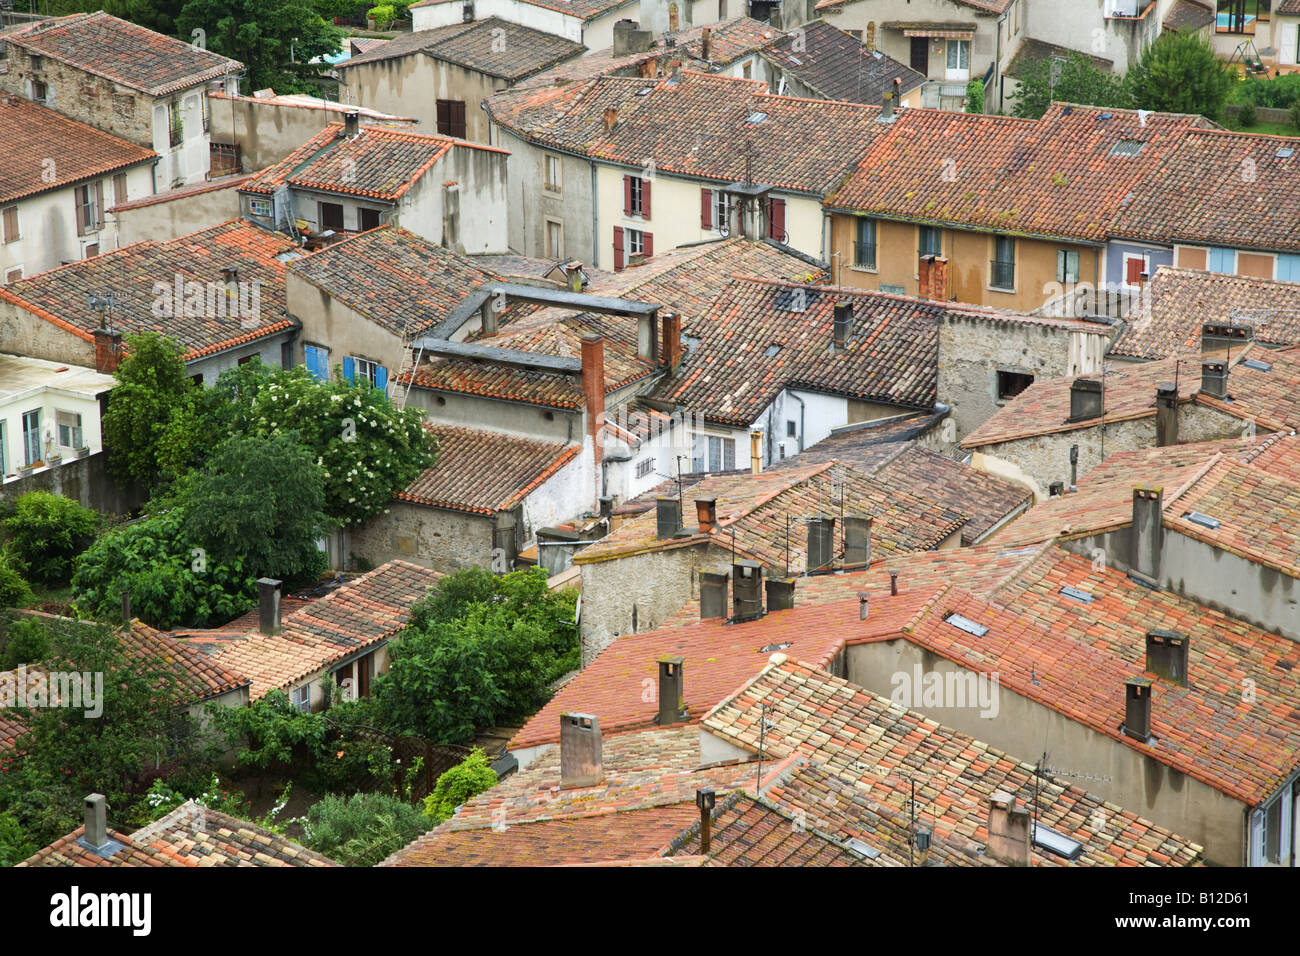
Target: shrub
column 1246, row 116
column 1281, row 92
column 27, row 641
column 467, row 779
column 383, row 15
column 14, row 591
column 975, row 96
column 1295, row 115
column 47, row 531
column 363, row 829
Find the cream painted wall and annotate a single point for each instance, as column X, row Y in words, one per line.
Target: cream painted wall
column 50, row 401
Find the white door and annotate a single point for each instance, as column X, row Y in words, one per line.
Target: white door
column 1291, row 43
column 958, row 66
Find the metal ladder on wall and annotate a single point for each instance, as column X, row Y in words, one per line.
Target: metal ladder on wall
column 410, row 362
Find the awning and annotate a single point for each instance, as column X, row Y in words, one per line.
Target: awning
column 939, row 33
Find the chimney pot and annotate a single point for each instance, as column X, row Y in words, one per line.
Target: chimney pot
column 756, row 452
column 1214, row 379
column 580, row 756
column 780, row 594
column 893, row 583
column 593, row 396
column 821, row 543
column 351, row 123
column 606, row 507
column 672, row 344
column 1167, row 655
column 668, row 516
column 857, row 541
column 672, row 700
column 705, row 800
column 268, row 615
column 713, row 593
column 706, row 510
column 96, row 819
column 1137, row 708
column 863, row 605
column 747, row 590
column 108, row 350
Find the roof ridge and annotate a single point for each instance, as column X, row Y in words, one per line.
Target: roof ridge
column 762, row 500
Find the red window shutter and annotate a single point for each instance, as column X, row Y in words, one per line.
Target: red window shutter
column 618, row 248
column 645, row 199
column 1133, row 271
column 647, row 245
column 627, row 195
column 706, row 208
column 776, row 228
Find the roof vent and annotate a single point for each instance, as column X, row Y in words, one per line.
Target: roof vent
column 1257, row 365
column 1105, row 116
column 1205, row 521
column 773, row 648
column 967, row 625
column 1074, row 594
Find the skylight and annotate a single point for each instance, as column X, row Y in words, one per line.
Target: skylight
column 1257, row 365
column 1205, row 521
column 757, row 118
column 854, row 845
column 1074, row 594
column 967, row 625
column 1127, row 147
column 796, row 61
column 771, row 350
column 773, row 648
column 1057, row 843
column 1285, row 152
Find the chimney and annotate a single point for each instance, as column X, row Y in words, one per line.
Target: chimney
column 893, row 583
column 1085, row 399
column 821, row 543
column 351, row 124
column 672, row 699
column 780, row 594
column 1148, row 533
column 706, row 44
column 864, row 605
column 1166, row 414
column 488, row 315
column 887, row 106
column 629, row 38
column 747, row 590
column 857, row 541
column 268, row 614
column 1217, row 336
column 704, row 799
column 606, row 507
column 573, row 276
column 96, row 818
column 933, row 284
column 706, row 511
column 580, row 763
column 1008, row 830
column 229, row 274
column 126, row 608
column 668, row 516
column 756, row 452
column 713, row 594
column 108, row 351
column 611, row 117
column 1214, row 379
column 1074, row 467
column 647, row 344
column 1167, row 655
column 1137, row 708
column 672, row 344
column 841, row 326
column 1056, row 489
column 593, row 394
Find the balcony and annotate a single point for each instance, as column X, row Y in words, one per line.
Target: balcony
column 944, row 95
column 864, row 255
column 1002, row 275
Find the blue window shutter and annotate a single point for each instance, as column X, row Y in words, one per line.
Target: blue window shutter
column 349, row 369
column 316, row 359
column 381, row 378
column 1223, row 260
column 1288, row 268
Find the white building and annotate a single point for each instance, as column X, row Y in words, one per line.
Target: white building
column 48, row 411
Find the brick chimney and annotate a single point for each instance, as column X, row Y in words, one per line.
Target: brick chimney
column 672, row 343
column 934, row 278
column 1166, row 414
column 1147, row 534
column 706, row 44
column 580, row 757
column 611, row 117
column 672, row 699
column 108, row 350
column 706, row 511
column 593, row 394
column 756, row 452
column 268, row 614
column 1008, row 830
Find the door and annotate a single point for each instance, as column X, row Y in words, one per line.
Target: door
column 920, row 58
column 958, row 65
column 331, row 216
column 369, row 218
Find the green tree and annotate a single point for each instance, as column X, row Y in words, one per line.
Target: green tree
column 368, row 447
column 14, row 590
column 363, row 829
column 1179, row 73
column 153, row 388
column 46, row 532
column 975, row 96
column 26, row 641
column 1047, row 80
column 274, row 40
column 467, row 779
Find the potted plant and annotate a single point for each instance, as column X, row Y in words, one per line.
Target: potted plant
column 53, row 458
column 81, row 451
column 25, row 470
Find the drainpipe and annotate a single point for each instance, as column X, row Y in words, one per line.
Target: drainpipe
column 595, row 220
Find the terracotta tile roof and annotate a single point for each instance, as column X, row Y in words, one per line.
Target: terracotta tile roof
column 582, row 9
column 729, row 40
column 11, row 728
column 1031, row 50
column 981, row 6
column 123, row 52
column 839, row 66
column 697, row 127
column 756, row 507
column 184, row 192
column 882, row 746
column 1191, row 16
column 1289, row 8
column 754, row 345
column 1177, row 302
column 1269, row 398
column 366, row 612
column 393, row 277
column 1057, row 176
column 491, row 46
column 865, row 445
column 191, row 835
column 35, row 137
column 484, row 472
column 380, row 162
column 59, row 296
column 1252, row 178
column 531, row 386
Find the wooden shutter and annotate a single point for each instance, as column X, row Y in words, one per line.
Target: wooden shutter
column 627, row 195
column 349, row 369
column 81, row 209
column 1133, row 271
column 776, row 225
column 645, row 199
column 381, row 378
column 458, row 119
column 11, row 224
column 647, row 245
column 706, row 208
column 618, row 248
column 119, row 187
column 99, row 203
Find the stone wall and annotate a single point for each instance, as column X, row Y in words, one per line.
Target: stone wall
column 431, row 537
column 85, row 480
column 635, row 593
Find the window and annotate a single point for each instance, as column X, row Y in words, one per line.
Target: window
column 90, row 250
column 368, row 219
column 317, row 361
column 1003, row 273
column 451, row 118
column 32, row 436
column 553, row 173
column 1273, row 831
column 721, row 210
column 119, row 189
column 645, row 467
column 1011, row 384
column 372, row 372
column 1240, row 16
column 89, row 200
column 260, row 207
column 69, row 429
column 554, row 239
column 791, row 429
column 958, row 60
column 40, row 92
column 636, row 197
column 10, row 217
column 930, row 241
column 14, row 274
column 1067, row 265
column 175, row 124
column 331, row 216
column 747, row 71
column 1223, row 260
column 1135, row 267
column 712, row 453
column 864, row 246
column 1288, row 267
column 302, row 698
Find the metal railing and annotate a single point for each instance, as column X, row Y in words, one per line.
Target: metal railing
column 864, row 255
column 1002, row 275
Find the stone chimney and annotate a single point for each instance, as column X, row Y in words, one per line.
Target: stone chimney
column 593, row 394
column 706, row 44
column 887, row 104
column 629, row 38
column 1217, row 336
column 1137, row 708
column 857, row 541
column 1167, row 655
column 268, row 613
column 580, row 759
column 1008, row 830
column 747, row 590
column 672, row 693
column 573, row 275
column 1166, row 414
column 713, row 593
column 780, row 594
column 706, row 511
column 351, row 124
column 1214, row 379
column 841, row 326
column 672, row 343
column 1147, row 535
column 1085, row 399
column 96, row 820
column 821, row 543
column 108, row 350
column 611, row 117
